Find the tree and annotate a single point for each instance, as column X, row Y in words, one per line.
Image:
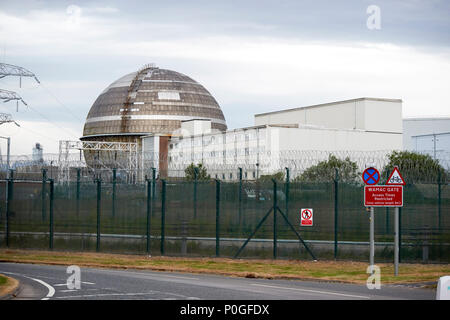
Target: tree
column 414, row 167
column 191, row 170
column 326, row 171
column 278, row 176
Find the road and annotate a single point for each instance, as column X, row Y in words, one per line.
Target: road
column 47, row 282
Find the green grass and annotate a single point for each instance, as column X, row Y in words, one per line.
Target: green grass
column 3, row 280
column 343, row 271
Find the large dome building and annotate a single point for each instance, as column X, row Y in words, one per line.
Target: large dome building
column 149, row 101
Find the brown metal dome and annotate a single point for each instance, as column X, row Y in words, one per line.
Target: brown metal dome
column 150, row 100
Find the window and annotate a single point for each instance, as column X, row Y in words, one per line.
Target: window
column 168, row 95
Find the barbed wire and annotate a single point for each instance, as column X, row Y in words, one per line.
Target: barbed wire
column 253, row 166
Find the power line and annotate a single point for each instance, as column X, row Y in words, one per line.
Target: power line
column 59, row 101
column 50, row 121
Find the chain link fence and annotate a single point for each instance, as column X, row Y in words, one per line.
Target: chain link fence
column 204, row 218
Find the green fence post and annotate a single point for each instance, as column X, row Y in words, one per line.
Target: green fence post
column 439, row 200
column 195, row 191
column 99, row 199
column 114, row 177
column 44, row 206
column 149, row 209
column 275, row 205
column 52, row 195
column 9, row 197
column 217, row 218
column 163, row 214
column 287, row 192
column 11, row 176
column 336, row 211
column 78, row 190
column 153, row 182
column 240, row 197
column 153, row 188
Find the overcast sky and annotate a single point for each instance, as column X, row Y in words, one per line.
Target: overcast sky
column 253, row 56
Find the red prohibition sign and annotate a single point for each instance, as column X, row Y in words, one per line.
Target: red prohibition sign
column 306, row 214
column 371, row 176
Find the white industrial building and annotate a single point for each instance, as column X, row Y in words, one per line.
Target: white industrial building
column 428, row 135
column 292, row 138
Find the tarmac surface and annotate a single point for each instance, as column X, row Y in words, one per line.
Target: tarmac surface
column 48, row 282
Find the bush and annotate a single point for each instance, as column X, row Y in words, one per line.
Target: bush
column 415, row 167
column 326, row 171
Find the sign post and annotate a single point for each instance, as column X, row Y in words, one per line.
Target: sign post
column 389, row 195
column 371, row 176
column 396, row 179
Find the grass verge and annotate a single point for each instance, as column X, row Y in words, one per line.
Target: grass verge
column 7, row 285
column 340, row 271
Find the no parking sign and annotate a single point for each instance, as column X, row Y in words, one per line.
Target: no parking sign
column 306, row 217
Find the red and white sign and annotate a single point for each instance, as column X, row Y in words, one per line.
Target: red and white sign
column 306, row 217
column 395, row 178
column 383, row 196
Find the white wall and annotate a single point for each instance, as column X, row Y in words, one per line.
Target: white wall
column 422, row 126
column 370, row 114
column 383, row 115
column 334, row 140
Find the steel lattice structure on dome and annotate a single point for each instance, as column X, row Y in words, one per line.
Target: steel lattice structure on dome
column 127, row 157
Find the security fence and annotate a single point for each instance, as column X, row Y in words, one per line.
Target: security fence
column 73, row 166
column 238, row 219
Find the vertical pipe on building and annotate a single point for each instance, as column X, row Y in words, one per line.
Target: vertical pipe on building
column 336, row 211
column 217, row 218
column 163, row 214
column 99, row 198
column 52, row 195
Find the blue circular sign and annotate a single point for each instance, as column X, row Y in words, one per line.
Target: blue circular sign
column 371, row 176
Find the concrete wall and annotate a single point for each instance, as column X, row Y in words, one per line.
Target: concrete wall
column 333, row 140
column 369, row 114
column 422, row 126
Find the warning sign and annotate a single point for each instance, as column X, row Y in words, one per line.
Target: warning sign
column 306, row 217
column 371, row 176
column 383, row 196
column 395, row 178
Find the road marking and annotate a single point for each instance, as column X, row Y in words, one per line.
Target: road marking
column 312, row 291
column 65, row 284
column 51, row 290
